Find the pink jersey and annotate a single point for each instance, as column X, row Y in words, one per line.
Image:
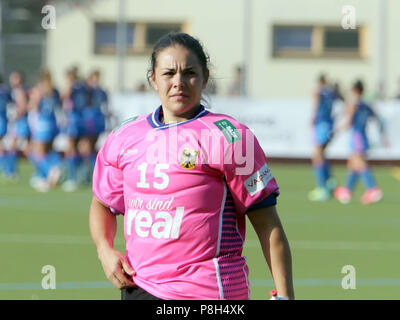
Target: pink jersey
column 184, row 190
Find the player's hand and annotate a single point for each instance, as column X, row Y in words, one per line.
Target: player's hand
column 275, row 296
column 117, row 268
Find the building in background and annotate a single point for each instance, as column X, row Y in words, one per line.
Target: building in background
column 22, row 39
column 282, row 45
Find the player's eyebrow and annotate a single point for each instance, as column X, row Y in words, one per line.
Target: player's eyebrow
column 173, row 69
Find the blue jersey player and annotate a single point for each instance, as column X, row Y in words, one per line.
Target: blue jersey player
column 322, row 124
column 94, row 124
column 43, row 103
column 19, row 131
column 75, row 100
column 358, row 113
column 5, row 99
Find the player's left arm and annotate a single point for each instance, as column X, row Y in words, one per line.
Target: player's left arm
column 348, row 115
column 34, row 99
column 382, row 127
column 105, row 105
column 275, row 247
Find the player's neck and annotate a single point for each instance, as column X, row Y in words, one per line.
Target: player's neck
column 168, row 118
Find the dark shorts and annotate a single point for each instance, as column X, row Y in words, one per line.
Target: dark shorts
column 74, row 128
column 93, row 122
column 136, row 293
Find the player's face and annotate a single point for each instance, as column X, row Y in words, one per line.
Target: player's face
column 179, row 81
column 15, row 79
column 355, row 93
column 93, row 80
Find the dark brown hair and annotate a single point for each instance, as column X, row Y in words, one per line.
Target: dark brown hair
column 184, row 40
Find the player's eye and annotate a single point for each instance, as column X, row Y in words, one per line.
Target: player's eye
column 168, row 73
column 190, row 72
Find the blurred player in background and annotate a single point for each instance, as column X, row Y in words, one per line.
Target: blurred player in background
column 357, row 114
column 5, row 99
column 184, row 220
column 20, row 131
column 94, row 124
column 236, row 88
column 75, row 99
column 338, row 92
column 322, row 123
column 44, row 100
column 396, row 170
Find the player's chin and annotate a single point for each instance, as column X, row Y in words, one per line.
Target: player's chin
column 179, row 107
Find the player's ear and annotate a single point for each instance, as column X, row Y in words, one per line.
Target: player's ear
column 206, row 76
column 153, row 80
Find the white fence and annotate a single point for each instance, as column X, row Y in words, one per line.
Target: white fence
column 282, row 126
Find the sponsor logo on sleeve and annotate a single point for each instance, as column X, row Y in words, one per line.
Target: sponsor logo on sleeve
column 258, row 180
column 229, row 130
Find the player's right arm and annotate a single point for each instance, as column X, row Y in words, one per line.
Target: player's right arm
column 103, row 227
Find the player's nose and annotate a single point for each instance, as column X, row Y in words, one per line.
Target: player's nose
column 178, row 80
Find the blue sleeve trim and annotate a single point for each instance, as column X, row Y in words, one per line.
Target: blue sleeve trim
column 267, row 202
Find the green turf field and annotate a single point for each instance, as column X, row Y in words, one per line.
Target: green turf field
column 52, row 229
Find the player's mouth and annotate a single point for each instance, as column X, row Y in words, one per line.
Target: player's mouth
column 179, row 96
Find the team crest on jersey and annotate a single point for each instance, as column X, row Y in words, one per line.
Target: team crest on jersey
column 188, row 159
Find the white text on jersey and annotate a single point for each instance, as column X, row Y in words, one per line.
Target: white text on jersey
column 163, row 226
